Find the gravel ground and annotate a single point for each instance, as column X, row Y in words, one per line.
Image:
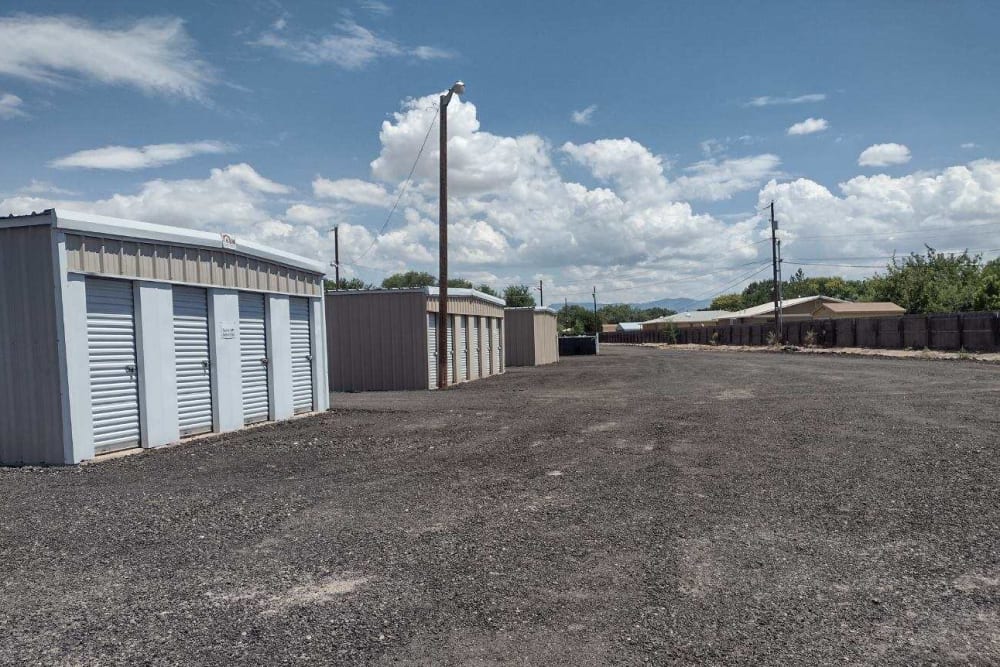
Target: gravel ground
column 657, row 506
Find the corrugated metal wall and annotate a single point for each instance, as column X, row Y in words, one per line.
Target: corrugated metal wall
column 377, row 341
column 30, row 409
column 464, row 305
column 181, row 264
column 519, row 336
column 546, row 338
column 530, row 337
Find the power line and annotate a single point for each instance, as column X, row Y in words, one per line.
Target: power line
column 728, row 287
column 402, row 191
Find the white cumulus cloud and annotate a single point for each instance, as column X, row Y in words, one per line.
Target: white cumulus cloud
column 584, row 116
column 808, row 126
column 127, row 158
column 235, row 197
column 872, row 217
column 883, row 155
column 11, row 106
column 156, row 56
column 352, row 190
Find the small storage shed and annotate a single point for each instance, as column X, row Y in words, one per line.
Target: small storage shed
column 117, row 334
column 531, row 336
column 386, row 339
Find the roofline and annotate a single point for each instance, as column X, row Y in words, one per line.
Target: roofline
column 427, row 291
column 537, row 309
column 105, row 226
column 768, row 307
column 466, row 291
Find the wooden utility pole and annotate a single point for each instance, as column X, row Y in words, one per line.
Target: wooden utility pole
column 777, row 284
column 442, row 320
column 541, row 294
column 336, row 255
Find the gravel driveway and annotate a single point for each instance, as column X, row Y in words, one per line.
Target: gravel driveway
column 641, row 506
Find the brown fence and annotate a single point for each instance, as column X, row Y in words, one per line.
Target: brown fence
column 975, row 332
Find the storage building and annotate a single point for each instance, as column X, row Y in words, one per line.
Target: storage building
column 386, row 339
column 117, row 334
column 840, row 311
column 531, row 336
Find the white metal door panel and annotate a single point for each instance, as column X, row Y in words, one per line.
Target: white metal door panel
column 432, row 357
column 111, row 348
column 502, row 361
column 463, row 348
column 488, row 345
column 474, row 348
column 193, row 360
column 301, row 341
column 451, row 349
column 497, row 356
column 253, row 358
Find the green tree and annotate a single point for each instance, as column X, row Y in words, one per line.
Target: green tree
column 731, row 302
column 799, row 285
column 577, row 320
column 614, row 313
column 988, row 293
column 486, row 289
column 933, row 282
column 353, row 283
column 653, row 313
column 409, row 279
column 518, row 296
column 459, row 282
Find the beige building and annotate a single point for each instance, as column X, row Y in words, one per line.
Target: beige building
column 837, row 311
column 387, row 339
column 792, row 310
column 812, row 308
column 694, row 318
column 531, row 336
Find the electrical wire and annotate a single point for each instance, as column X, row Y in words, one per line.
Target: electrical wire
column 402, row 191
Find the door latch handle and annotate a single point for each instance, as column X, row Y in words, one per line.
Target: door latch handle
column 263, row 361
column 205, row 364
column 131, row 369
column 309, row 357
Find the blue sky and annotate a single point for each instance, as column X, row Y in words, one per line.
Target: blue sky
column 595, row 145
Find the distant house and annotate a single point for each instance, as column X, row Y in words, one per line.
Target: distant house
column 791, row 310
column 693, row 318
column 629, row 326
column 859, row 309
column 609, row 328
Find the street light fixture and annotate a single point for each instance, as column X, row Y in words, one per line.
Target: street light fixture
column 442, row 323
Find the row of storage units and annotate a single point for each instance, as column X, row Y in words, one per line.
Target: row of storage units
column 121, row 334
column 474, row 342
column 388, row 339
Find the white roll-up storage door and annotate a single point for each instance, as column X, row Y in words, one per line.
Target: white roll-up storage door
column 193, row 360
column 114, row 391
column 451, row 349
column 488, row 345
column 500, row 355
column 301, row 341
column 253, row 358
column 432, row 357
column 474, row 347
column 463, row 348
column 497, row 349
